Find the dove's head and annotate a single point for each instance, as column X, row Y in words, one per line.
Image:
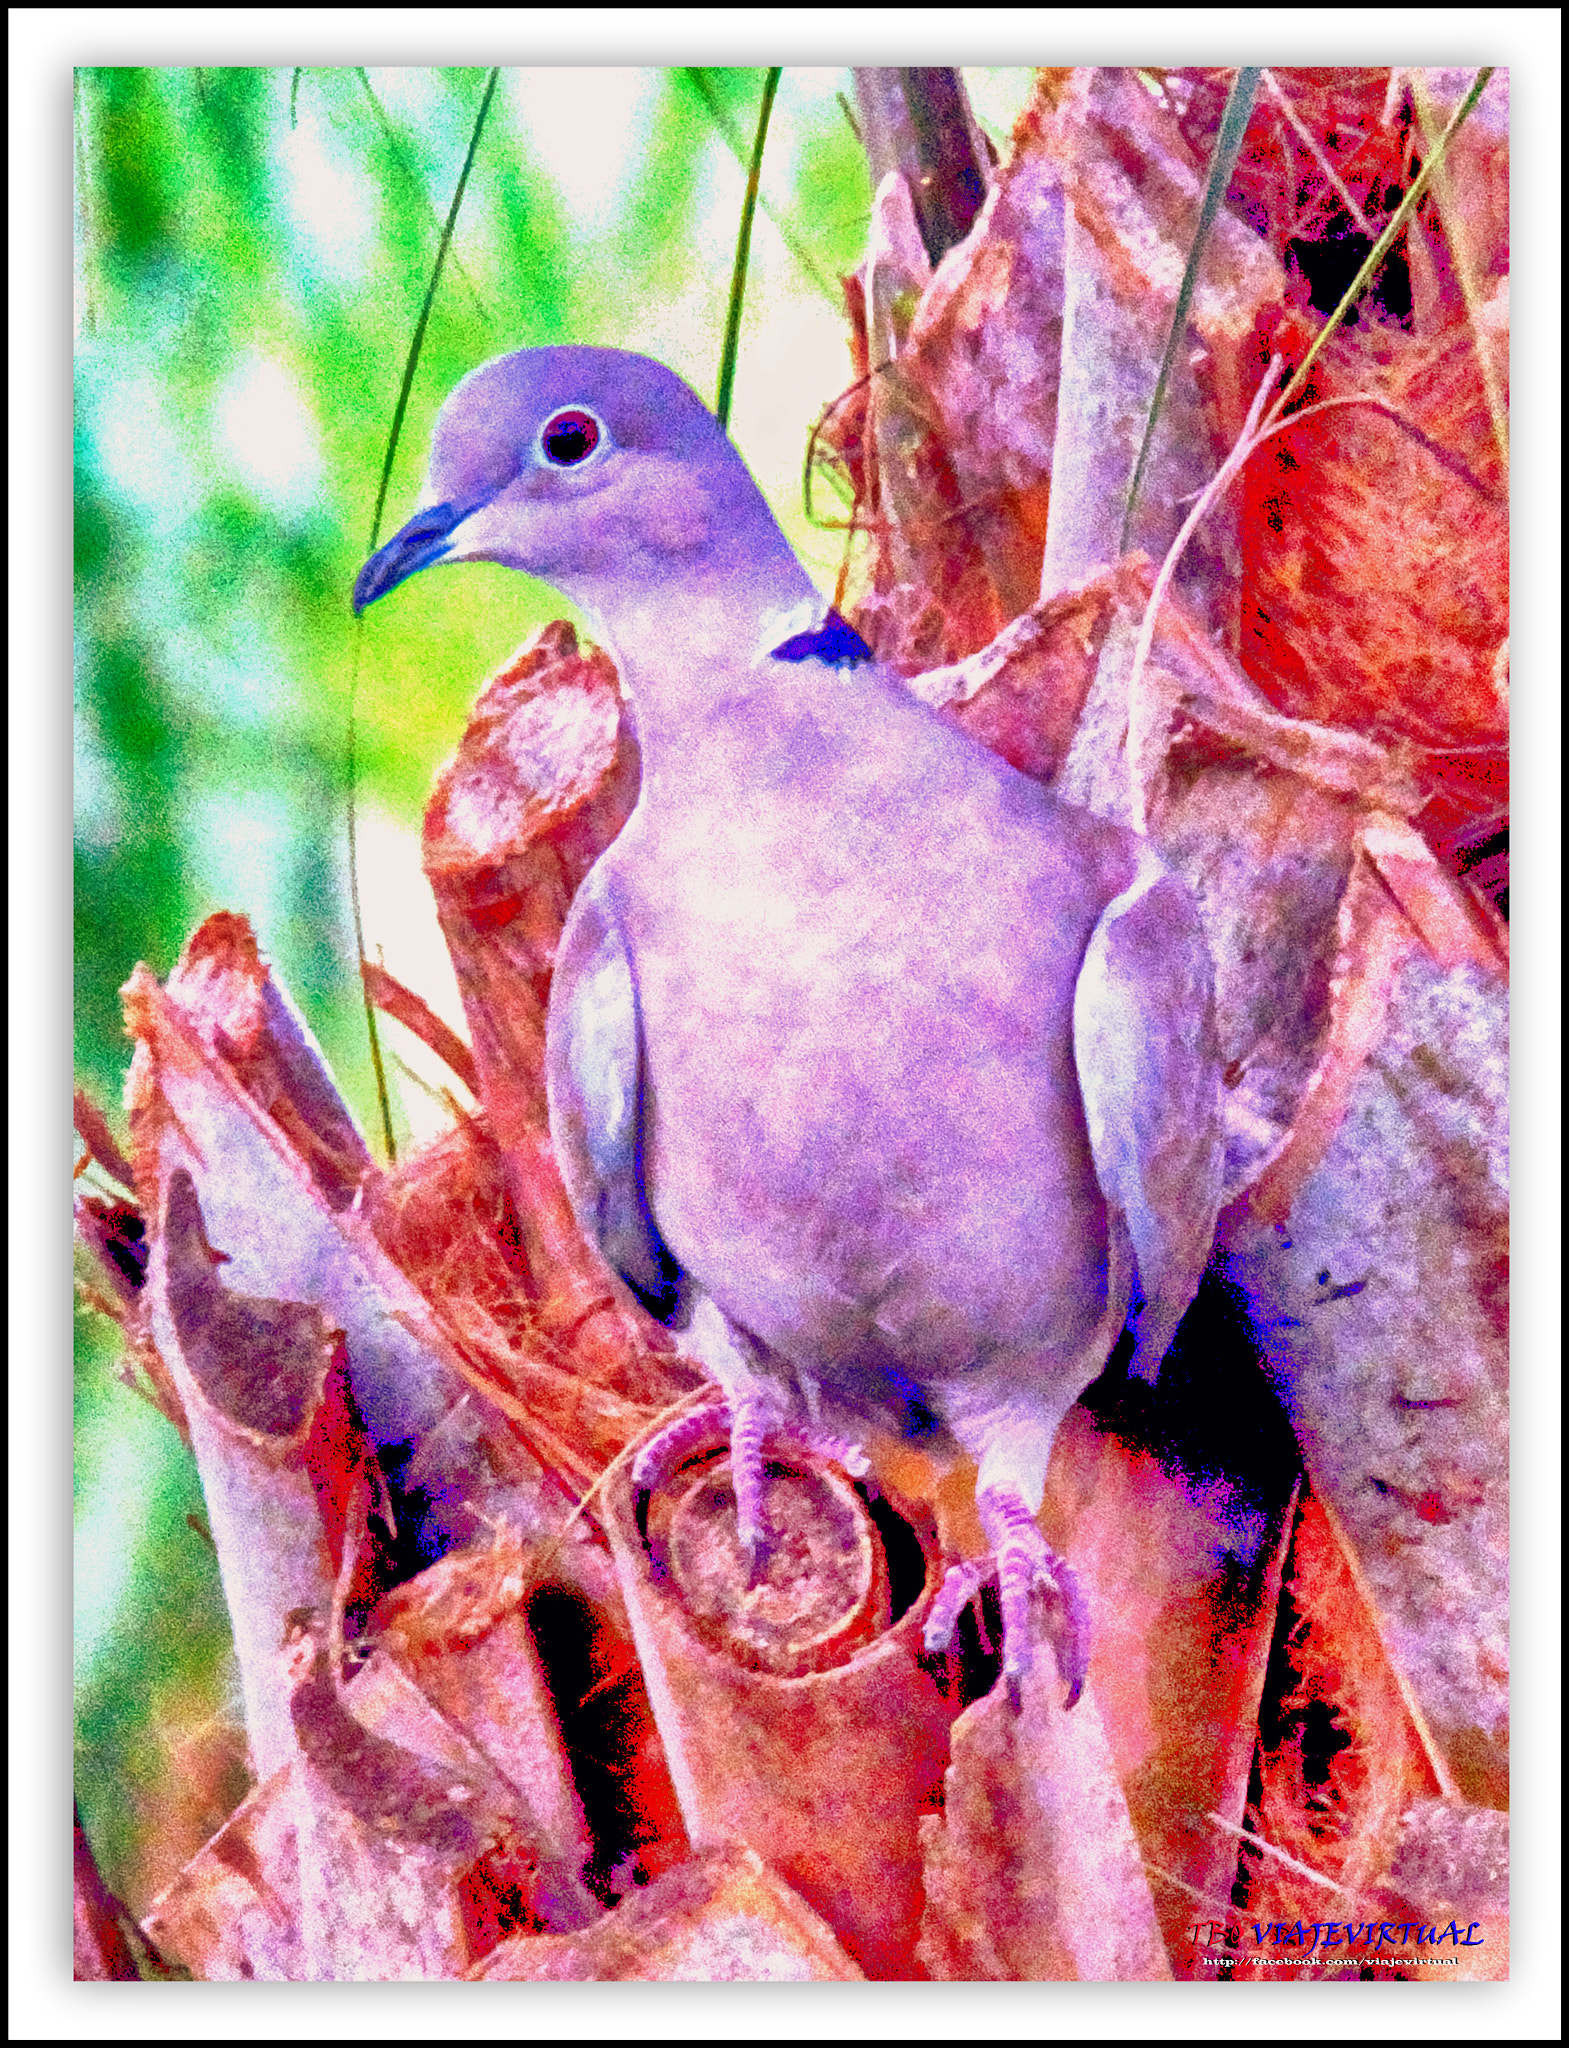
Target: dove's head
column 599, row 471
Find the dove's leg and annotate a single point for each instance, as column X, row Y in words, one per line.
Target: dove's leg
column 1012, row 1438
column 754, row 1411
column 747, row 1417
column 1023, row 1563
column 669, row 1448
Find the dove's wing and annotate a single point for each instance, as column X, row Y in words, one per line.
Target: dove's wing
column 1144, row 1045
column 594, row 1075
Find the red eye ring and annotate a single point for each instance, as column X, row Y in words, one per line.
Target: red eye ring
column 569, row 437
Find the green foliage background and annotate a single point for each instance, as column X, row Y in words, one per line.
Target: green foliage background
column 252, row 248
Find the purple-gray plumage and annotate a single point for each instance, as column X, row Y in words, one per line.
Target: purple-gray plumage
column 873, row 1066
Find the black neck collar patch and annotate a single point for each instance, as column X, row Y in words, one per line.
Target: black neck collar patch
column 833, row 641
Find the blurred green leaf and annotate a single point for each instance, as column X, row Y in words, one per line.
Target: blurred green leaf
column 252, row 248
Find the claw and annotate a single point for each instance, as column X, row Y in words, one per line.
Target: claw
column 668, row 1448
column 750, row 1417
column 1073, row 1650
column 1023, row 1563
column 959, row 1588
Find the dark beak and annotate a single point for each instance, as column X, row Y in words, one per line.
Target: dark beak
column 424, row 540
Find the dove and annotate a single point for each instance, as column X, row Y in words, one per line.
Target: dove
column 882, row 1073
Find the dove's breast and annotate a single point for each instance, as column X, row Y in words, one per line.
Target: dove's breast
column 862, row 1125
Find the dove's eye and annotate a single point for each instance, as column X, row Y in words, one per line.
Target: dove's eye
column 569, row 437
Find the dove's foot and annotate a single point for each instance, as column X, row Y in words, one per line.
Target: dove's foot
column 751, row 1419
column 668, row 1449
column 1023, row 1563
